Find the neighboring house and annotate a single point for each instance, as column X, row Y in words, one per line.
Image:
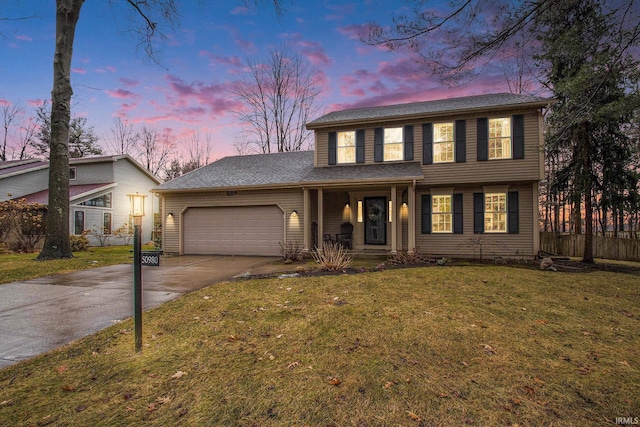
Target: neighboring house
column 445, row 178
column 98, row 190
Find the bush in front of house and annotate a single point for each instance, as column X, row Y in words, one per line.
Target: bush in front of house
column 79, row 243
column 291, row 251
column 332, row 256
column 22, row 225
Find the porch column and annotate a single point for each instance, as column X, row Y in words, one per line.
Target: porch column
column 306, row 213
column 320, row 218
column 394, row 219
column 411, row 202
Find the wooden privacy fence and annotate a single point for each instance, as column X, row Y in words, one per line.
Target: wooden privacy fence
column 572, row 245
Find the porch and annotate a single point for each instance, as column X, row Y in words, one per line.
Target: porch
column 382, row 216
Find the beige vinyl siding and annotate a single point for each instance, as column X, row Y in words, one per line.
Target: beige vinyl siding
column 179, row 203
column 471, row 171
column 494, row 244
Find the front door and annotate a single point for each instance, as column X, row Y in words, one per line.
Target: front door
column 375, row 220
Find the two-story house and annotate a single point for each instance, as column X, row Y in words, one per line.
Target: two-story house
column 445, row 177
column 98, row 191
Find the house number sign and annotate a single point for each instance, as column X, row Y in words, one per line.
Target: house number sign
column 150, row 258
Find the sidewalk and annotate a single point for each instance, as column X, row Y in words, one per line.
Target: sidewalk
column 41, row 314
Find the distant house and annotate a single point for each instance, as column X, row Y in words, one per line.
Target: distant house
column 97, row 192
column 445, row 177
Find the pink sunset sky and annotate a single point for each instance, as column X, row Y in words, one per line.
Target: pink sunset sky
column 188, row 91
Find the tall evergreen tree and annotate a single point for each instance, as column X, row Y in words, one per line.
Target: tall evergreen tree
column 593, row 80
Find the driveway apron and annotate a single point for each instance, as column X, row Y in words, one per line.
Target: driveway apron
column 41, row 314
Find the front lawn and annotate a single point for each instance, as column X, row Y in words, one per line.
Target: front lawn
column 436, row 346
column 17, row 267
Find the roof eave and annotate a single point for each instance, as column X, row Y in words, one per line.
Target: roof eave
column 532, row 104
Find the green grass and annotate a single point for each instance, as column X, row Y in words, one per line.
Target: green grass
column 17, row 267
column 438, row 346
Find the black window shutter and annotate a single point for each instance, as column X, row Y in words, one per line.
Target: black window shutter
column 333, row 151
column 360, row 146
column 426, row 214
column 478, row 213
column 427, row 143
column 457, row 214
column 483, row 138
column 513, row 225
column 518, row 136
column 378, row 149
column 461, row 141
column 408, row 142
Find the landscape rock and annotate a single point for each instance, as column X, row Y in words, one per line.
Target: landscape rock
column 547, row 265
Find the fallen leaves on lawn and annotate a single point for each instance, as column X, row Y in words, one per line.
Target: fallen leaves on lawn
column 178, row 374
column 68, row 387
column 334, row 381
column 163, row 399
column 62, row 368
column 414, row 417
column 488, row 349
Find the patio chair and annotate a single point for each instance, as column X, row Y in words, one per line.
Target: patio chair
column 345, row 238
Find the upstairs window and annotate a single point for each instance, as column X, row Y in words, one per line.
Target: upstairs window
column 346, row 146
column 72, row 173
column 443, row 143
column 103, row 201
column 393, row 144
column 500, row 138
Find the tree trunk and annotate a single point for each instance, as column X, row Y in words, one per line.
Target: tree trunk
column 587, row 256
column 56, row 244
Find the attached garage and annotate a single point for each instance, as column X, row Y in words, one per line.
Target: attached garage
column 233, row 230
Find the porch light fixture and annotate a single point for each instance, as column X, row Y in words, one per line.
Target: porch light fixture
column 347, row 203
column 294, row 213
column 390, row 211
column 359, row 210
column 405, row 198
column 170, row 215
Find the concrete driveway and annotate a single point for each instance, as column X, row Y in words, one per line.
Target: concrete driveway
column 41, row 314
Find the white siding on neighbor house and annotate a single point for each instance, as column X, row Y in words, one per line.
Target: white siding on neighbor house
column 92, row 173
column 130, row 180
column 23, row 184
column 493, row 244
column 179, row 203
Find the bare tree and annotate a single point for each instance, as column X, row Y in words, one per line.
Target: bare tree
column 149, row 17
column 198, row 152
column 279, row 94
column 123, row 138
column 10, row 113
column 154, row 150
column 27, row 131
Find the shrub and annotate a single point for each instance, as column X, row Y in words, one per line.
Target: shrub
column 291, row 251
column 125, row 232
column 332, row 257
column 22, row 225
column 410, row 259
column 99, row 233
column 79, row 243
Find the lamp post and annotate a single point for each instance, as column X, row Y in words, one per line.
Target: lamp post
column 137, row 212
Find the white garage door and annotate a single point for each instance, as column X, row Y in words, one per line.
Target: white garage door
column 238, row 230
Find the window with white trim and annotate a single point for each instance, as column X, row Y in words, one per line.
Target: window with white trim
column 500, row 138
column 441, row 214
column 346, row 146
column 106, row 223
column 393, row 144
column 72, row 173
column 78, row 222
column 103, row 201
column 495, row 212
column 443, row 144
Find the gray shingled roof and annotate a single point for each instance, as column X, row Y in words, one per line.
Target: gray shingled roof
column 284, row 169
column 427, row 108
column 247, row 171
column 379, row 171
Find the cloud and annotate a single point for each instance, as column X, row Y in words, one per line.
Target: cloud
column 129, row 82
column 355, row 31
column 233, row 61
column 24, row 38
column 35, row 102
column 4, row 103
column 313, row 51
column 240, row 10
column 79, row 70
column 122, row 94
column 340, row 11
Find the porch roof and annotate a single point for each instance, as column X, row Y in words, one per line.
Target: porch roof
column 354, row 174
